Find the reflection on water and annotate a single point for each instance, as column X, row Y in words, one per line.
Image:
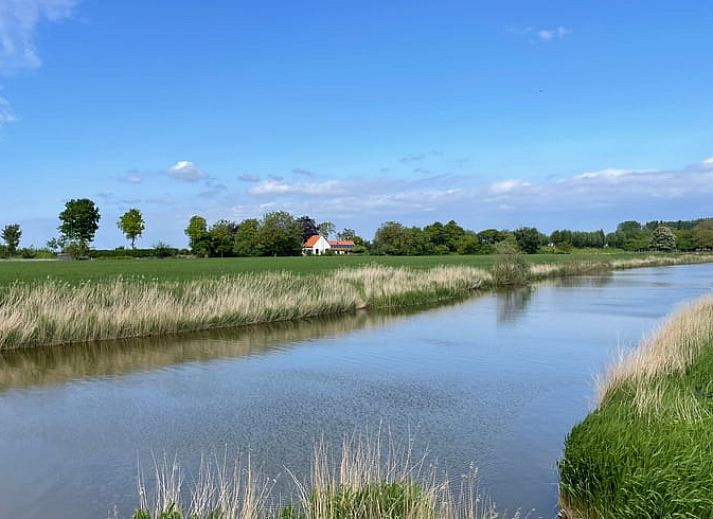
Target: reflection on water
column 52, row 365
column 513, row 303
column 497, row 380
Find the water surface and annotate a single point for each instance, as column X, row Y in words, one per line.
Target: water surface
column 497, row 380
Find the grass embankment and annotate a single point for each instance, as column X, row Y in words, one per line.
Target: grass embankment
column 50, row 312
column 647, row 450
column 365, row 482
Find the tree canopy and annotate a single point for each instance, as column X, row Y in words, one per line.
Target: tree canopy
column 131, row 224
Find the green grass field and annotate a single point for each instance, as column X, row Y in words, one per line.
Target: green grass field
column 185, row 269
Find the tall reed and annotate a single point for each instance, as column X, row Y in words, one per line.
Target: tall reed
column 371, row 478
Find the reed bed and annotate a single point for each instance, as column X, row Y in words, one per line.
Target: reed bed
column 52, row 312
column 647, row 450
column 371, row 478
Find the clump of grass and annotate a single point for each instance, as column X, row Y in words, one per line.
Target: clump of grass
column 369, row 480
column 647, row 450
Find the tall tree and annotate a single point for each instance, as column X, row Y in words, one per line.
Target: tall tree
column 197, row 232
column 528, row 239
column 222, row 237
column 11, row 234
column 309, row 227
column 131, row 224
column 326, row 229
column 246, row 238
column 663, row 239
column 80, row 221
column 280, row 235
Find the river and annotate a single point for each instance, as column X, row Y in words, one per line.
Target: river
column 496, row 380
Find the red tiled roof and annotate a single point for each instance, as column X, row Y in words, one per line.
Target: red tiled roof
column 312, row 241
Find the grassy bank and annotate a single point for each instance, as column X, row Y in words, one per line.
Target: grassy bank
column 50, row 312
column 370, row 479
column 647, row 450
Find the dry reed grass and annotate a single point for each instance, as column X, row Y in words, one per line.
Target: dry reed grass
column 52, row 312
column 671, row 349
column 372, row 478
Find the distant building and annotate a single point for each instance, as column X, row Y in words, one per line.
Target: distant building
column 316, row 245
column 341, row 246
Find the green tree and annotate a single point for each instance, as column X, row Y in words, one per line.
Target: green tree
column 222, row 238
column 279, row 235
column 246, row 238
column 197, row 232
column 350, row 234
column 528, row 239
column 326, row 229
column 131, row 224
column 80, row 221
column 663, row 239
column 468, row 243
column 703, row 234
column 11, row 234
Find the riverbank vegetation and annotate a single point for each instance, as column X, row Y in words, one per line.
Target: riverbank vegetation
column 368, row 480
column 50, row 311
column 647, row 450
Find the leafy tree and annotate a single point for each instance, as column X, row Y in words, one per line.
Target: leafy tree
column 326, row 229
column 80, row 221
column 246, row 238
column 309, row 227
column 279, row 235
column 350, row 234
column 703, row 234
column 511, row 267
column 131, row 224
column 468, row 243
column 685, row 239
column 11, row 234
column 222, row 238
column 198, row 236
column 392, row 238
column 528, row 239
column 663, row 239
column 489, row 238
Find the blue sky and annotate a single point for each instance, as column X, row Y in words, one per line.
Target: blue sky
column 497, row 114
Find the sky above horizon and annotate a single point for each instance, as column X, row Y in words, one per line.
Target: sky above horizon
column 495, row 114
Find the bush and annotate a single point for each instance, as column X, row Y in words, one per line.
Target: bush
column 511, row 267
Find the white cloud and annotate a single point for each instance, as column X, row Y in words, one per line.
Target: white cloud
column 18, row 22
column 551, row 34
column 276, row 187
column 543, row 34
column 186, row 171
column 505, row 186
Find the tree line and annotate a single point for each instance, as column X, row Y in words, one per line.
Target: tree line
column 281, row 234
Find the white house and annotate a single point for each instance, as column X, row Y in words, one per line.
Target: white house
column 315, row 245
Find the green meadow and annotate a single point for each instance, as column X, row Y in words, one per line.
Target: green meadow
column 182, row 269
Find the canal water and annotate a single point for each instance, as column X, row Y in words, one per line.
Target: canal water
column 495, row 381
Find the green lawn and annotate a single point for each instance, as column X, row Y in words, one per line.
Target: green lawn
column 180, row 268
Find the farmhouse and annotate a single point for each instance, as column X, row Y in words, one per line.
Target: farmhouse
column 316, row 245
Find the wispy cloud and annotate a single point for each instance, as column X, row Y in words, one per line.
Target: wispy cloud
column 18, row 23
column 131, row 177
column 249, row 178
column 541, row 34
column 273, row 187
column 186, row 171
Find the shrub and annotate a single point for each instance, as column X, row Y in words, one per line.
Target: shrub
column 511, row 267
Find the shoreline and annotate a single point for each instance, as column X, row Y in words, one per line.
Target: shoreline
column 645, row 451
column 51, row 313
